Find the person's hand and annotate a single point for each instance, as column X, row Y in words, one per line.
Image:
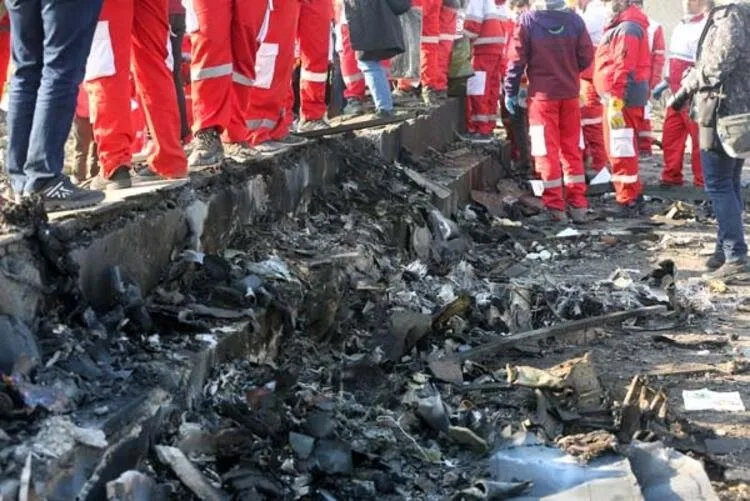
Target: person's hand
column 679, row 100
column 511, row 103
column 614, row 113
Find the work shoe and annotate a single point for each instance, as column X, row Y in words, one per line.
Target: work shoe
column 119, row 180
column 430, row 96
column 270, row 148
column 61, row 194
column 311, row 125
column 736, row 270
column 146, row 174
column 385, row 114
column 550, row 216
column 578, row 215
column 207, row 150
column 353, row 108
column 240, row 152
column 716, row 261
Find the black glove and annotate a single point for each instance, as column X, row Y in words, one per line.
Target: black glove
column 679, row 99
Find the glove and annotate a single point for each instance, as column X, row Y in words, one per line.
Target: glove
column 657, row 91
column 511, row 103
column 679, row 100
column 614, row 113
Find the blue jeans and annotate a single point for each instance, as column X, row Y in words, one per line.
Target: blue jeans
column 51, row 40
column 377, row 82
column 722, row 177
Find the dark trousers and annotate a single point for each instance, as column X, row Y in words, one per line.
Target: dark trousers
column 85, row 162
column 176, row 34
column 51, row 40
column 722, row 175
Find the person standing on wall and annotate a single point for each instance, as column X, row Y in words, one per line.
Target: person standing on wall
column 50, row 43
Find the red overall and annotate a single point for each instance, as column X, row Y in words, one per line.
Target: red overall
column 223, row 39
column 485, row 26
column 120, row 34
column 657, row 45
column 354, row 80
column 677, row 124
column 270, row 103
column 314, row 34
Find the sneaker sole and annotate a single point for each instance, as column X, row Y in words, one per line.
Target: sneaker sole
column 71, row 205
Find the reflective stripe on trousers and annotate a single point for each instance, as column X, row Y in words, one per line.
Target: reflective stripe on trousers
column 574, row 179
column 211, row 72
column 625, row 179
column 311, row 76
column 484, row 118
column 261, row 123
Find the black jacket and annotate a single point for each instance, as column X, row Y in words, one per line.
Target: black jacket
column 374, row 27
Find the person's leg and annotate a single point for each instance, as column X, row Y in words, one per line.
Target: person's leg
column 482, row 101
column 673, row 145
column 571, row 154
column 593, row 131
column 83, row 134
column 645, row 141
column 722, row 177
column 624, row 158
column 544, row 129
column 268, row 117
column 353, row 77
column 108, row 86
column 4, row 53
column 176, row 34
column 28, row 50
column 155, row 87
column 68, row 29
column 314, row 34
column 448, row 19
column 377, row 82
column 430, row 61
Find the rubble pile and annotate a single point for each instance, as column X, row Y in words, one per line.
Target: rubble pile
column 369, row 331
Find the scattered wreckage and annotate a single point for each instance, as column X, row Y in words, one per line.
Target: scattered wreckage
column 368, row 333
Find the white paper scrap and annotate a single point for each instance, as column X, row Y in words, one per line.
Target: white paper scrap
column 603, row 177
column 707, row 400
column 568, row 232
column 537, row 186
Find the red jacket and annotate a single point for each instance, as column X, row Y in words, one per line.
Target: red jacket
column 623, row 59
column 683, row 48
column 658, row 46
column 484, row 25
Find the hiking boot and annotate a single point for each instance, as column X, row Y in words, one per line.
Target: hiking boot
column 716, row 261
column 119, row 180
column 431, row 97
column 550, row 216
column 61, row 194
column 354, row 107
column 578, row 215
column 631, row 210
column 311, row 125
column 293, row 140
column 270, row 148
column 241, row 152
column 735, row 270
column 207, row 150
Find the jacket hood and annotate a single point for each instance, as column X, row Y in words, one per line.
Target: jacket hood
column 634, row 15
column 553, row 21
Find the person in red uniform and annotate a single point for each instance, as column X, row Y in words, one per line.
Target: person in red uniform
column 119, row 35
column 4, row 50
column 314, row 35
column 677, row 124
column 448, row 24
column 485, row 27
column 594, row 14
column 224, row 40
column 551, row 45
column 436, row 23
column 621, row 75
column 269, row 114
column 657, row 44
column 354, row 79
